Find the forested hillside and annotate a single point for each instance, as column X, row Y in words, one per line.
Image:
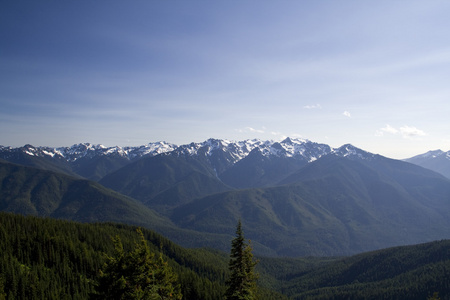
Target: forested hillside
column 332, row 206
column 32, row 191
column 342, row 203
column 45, row 258
column 408, row 272
column 55, row 259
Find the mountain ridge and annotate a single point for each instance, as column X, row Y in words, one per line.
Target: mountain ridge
column 298, row 197
column 335, row 204
column 436, row 160
column 94, row 161
column 288, row 147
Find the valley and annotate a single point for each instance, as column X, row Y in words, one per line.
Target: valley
column 160, row 150
column 296, row 197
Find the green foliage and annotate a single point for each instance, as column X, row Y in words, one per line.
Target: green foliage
column 333, row 206
column 165, row 180
column 55, row 259
column 434, row 297
column 242, row 282
column 138, row 274
column 55, row 164
column 2, row 288
column 94, row 168
column 408, row 272
column 31, row 191
column 258, row 170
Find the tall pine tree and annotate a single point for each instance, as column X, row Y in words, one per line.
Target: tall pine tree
column 242, row 281
column 137, row 275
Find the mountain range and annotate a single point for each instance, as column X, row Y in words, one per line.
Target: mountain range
column 83, row 160
column 295, row 197
column 436, row 160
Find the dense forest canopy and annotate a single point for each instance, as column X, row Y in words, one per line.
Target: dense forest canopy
column 45, row 258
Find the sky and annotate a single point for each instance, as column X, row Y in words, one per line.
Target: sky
column 374, row 74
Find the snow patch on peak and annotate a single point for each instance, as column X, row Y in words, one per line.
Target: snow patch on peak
column 89, row 150
column 289, row 140
column 222, row 152
column 159, row 147
column 48, row 153
column 349, row 150
column 289, row 147
column 29, row 153
column 214, row 145
column 432, row 154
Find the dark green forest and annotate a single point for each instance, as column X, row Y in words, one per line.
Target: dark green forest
column 44, row 258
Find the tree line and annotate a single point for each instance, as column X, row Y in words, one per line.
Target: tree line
column 44, row 258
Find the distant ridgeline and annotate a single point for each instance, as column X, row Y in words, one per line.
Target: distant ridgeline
column 295, row 197
column 55, row 259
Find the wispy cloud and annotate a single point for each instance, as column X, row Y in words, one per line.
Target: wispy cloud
column 407, row 132
column 278, row 135
column 411, row 132
column 315, row 106
column 251, row 129
column 296, row 135
column 347, row 114
column 389, row 129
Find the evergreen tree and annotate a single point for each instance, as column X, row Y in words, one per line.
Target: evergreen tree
column 242, row 282
column 435, row 296
column 137, row 275
column 2, row 288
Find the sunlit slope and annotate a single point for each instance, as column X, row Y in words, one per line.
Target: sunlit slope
column 333, row 206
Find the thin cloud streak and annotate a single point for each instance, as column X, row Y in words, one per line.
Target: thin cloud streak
column 250, row 129
column 315, row 106
column 407, row 132
column 411, row 132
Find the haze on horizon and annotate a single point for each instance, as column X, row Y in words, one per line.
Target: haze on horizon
column 373, row 74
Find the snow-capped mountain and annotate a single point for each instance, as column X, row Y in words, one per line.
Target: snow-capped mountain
column 239, row 150
column 235, row 151
column 86, row 160
column 292, row 192
column 351, row 151
column 88, row 150
column 436, row 160
column 94, row 161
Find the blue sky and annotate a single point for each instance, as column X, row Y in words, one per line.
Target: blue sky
column 371, row 73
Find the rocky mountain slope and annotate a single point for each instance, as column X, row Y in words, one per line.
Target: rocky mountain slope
column 333, row 206
column 437, row 160
column 95, row 161
column 84, row 160
column 295, row 197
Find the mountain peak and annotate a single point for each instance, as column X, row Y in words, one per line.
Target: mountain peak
column 81, row 150
column 348, row 150
column 436, row 160
column 290, row 141
column 298, row 148
column 430, row 154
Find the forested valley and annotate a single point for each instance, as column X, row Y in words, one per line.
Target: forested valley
column 44, row 258
column 224, row 150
